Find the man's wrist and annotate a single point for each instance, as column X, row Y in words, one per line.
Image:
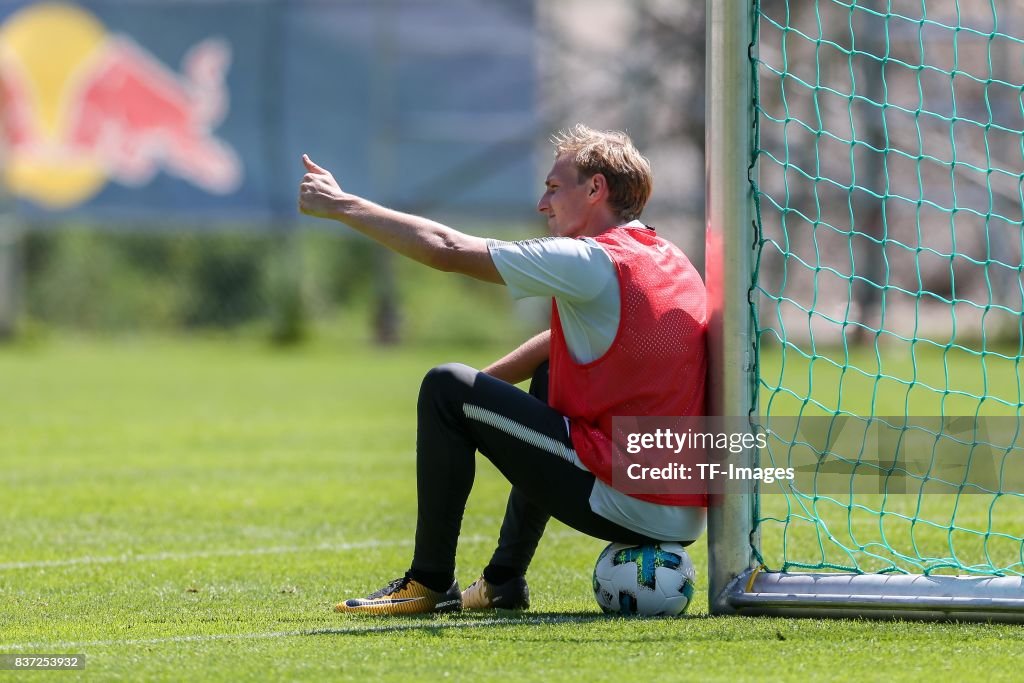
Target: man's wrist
column 343, row 208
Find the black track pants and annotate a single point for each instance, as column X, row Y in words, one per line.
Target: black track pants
column 462, row 411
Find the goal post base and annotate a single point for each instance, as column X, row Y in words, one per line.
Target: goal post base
column 876, row 596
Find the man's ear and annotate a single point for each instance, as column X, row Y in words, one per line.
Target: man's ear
column 598, row 189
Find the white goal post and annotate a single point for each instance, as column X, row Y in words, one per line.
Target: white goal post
column 736, row 584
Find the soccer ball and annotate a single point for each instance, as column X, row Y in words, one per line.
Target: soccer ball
column 647, row 580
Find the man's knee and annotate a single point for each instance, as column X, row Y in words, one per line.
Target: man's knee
column 447, row 381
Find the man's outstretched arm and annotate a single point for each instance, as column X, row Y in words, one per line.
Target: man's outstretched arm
column 520, row 365
column 421, row 239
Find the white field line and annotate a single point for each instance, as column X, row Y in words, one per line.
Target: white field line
column 234, row 552
column 425, row 624
column 186, row 555
column 193, row 554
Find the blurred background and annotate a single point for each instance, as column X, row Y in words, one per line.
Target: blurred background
column 151, row 154
column 890, row 165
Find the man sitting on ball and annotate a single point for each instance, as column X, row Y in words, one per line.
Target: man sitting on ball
column 626, row 338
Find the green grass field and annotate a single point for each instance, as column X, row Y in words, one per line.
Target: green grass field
column 192, row 510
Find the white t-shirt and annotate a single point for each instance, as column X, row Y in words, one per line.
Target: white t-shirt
column 581, row 277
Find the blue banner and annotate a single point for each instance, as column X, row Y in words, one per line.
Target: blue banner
column 170, row 111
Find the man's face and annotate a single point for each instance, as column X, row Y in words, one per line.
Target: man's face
column 565, row 201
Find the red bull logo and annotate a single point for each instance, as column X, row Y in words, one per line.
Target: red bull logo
column 80, row 107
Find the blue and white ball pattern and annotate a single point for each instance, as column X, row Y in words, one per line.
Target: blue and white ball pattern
column 645, row 580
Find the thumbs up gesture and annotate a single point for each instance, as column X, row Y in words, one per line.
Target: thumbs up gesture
column 319, row 193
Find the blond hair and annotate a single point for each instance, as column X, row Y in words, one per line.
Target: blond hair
column 612, row 154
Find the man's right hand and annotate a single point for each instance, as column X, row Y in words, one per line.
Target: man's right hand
column 320, row 194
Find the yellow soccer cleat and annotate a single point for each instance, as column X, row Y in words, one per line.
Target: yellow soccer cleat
column 404, row 596
column 513, row 594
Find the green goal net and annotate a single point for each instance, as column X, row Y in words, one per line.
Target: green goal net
column 888, row 195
